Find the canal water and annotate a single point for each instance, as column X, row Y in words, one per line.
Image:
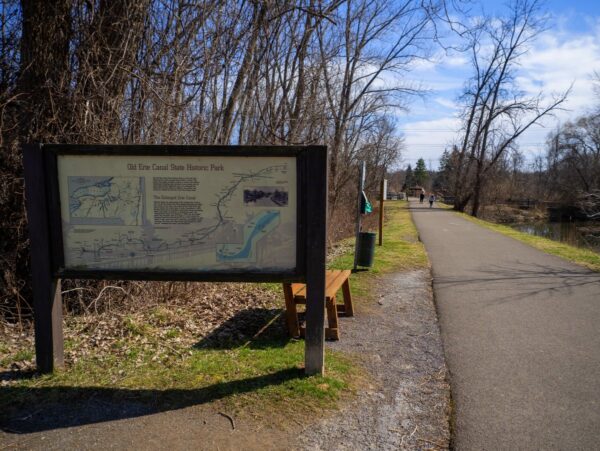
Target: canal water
column 585, row 234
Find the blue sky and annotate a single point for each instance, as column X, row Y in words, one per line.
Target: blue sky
column 569, row 52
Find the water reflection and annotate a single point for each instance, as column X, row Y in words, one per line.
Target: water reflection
column 584, row 234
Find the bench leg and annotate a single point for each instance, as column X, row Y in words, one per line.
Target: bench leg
column 348, row 308
column 291, row 312
column 332, row 319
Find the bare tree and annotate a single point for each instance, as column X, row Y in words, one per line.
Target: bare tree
column 381, row 149
column 590, row 204
column 201, row 72
column 574, row 163
column 354, row 66
column 495, row 112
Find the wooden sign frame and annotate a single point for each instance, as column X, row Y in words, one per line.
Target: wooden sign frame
column 47, row 252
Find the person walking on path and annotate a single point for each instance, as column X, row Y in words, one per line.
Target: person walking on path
column 422, row 196
column 431, row 200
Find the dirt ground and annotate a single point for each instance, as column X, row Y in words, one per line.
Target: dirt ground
column 405, row 404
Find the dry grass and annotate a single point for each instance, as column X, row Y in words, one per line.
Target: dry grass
column 226, row 345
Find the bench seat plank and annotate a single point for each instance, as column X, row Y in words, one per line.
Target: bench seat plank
column 295, row 294
column 334, row 279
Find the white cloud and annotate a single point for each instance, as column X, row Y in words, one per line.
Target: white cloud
column 557, row 61
column 447, row 103
column 422, row 65
column 427, row 139
column 455, row 61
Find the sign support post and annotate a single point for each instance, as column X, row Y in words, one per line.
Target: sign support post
column 47, row 299
column 316, row 233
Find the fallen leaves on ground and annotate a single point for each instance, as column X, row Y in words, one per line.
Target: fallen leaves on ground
column 206, row 313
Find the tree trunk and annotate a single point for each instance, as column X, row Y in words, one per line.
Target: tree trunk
column 41, row 114
column 44, row 79
column 477, row 189
column 461, row 203
column 260, row 11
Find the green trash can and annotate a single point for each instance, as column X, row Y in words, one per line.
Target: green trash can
column 366, row 249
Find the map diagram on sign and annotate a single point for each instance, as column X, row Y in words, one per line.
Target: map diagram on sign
column 106, row 200
column 178, row 213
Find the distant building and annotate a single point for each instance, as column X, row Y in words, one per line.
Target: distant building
column 415, row 191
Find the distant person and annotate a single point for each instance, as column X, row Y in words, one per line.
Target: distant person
column 421, row 197
column 431, row 200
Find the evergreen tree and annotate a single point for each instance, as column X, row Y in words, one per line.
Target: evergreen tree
column 446, row 175
column 421, row 174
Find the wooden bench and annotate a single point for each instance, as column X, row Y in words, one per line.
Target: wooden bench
column 295, row 293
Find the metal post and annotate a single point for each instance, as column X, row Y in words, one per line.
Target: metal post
column 47, row 300
column 361, row 187
column 316, row 236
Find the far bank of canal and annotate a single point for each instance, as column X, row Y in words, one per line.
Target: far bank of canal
column 583, row 234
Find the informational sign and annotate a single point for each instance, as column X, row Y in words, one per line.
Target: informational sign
column 198, row 213
column 178, row 213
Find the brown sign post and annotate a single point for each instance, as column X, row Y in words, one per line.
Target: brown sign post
column 163, row 228
column 382, row 195
column 47, row 299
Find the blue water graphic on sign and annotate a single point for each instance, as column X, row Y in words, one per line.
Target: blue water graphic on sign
column 254, row 230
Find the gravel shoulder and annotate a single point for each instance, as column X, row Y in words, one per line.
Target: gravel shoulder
column 407, row 404
column 403, row 404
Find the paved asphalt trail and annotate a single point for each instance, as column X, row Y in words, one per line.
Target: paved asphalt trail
column 521, row 332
